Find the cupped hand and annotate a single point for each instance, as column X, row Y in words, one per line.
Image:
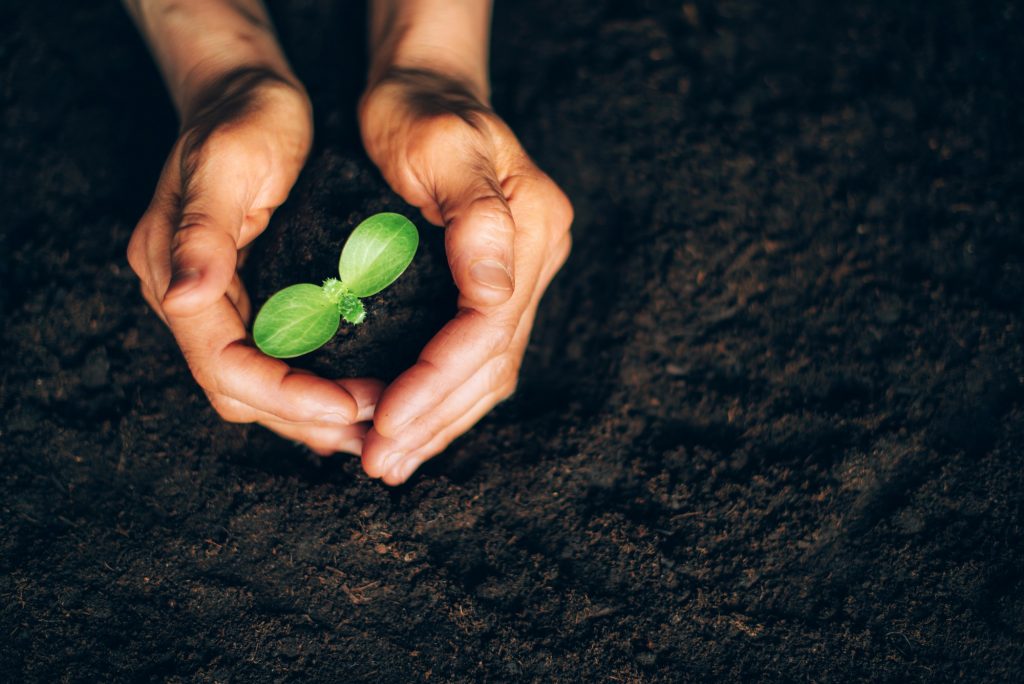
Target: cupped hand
column 239, row 154
column 506, row 236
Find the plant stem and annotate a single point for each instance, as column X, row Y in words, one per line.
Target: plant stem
column 349, row 306
column 335, row 289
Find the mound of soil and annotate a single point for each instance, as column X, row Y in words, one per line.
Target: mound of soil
column 769, row 425
column 336, row 191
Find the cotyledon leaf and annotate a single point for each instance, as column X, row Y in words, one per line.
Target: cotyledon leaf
column 377, row 252
column 295, row 321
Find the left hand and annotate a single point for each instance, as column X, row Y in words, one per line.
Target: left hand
column 506, row 235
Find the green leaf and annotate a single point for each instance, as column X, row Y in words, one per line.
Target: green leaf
column 295, row 321
column 378, row 251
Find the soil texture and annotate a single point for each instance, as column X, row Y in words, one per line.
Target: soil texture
column 770, row 425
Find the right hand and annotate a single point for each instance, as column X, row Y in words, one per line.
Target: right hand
column 237, row 158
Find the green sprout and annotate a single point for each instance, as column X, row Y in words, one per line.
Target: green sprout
column 303, row 317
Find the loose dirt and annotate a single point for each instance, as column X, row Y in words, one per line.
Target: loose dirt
column 769, row 426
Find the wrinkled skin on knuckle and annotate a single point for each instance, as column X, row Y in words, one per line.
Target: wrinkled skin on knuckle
column 504, row 375
column 498, row 336
column 322, row 446
column 561, row 214
column 489, row 237
column 138, row 261
column 562, row 249
column 508, row 389
column 136, row 252
column 203, row 366
column 488, row 205
column 562, row 210
column 190, row 228
column 149, row 296
column 229, row 410
column 186, row 239
column 195, row 237
column 205, row 380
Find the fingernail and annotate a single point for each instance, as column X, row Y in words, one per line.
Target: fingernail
column 184, row 280
column 333, row 419
column 492, row 274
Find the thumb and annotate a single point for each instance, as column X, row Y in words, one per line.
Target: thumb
column 204, row 252
column 479, row 237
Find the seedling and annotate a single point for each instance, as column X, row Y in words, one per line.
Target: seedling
column 303, row 317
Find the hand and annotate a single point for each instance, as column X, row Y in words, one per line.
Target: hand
column 238, row 156
column 506, row 235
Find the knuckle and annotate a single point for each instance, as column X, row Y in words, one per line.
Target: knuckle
column 206, row 379
column 492, row 333
column 504, row 373
column 489, row 207
column 562, row 249
column 499, row 336
column 194, row 236
column 321, row 445
column 509, row 389
column 228, row 409
column 191, row 228
column 564, row 213
column 136, row 253
column 147, row 295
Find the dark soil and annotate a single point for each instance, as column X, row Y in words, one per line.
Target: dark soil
column 770, row 426
column 337, row 191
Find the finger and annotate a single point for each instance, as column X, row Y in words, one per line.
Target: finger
column 151, row 299
column 324, row 440
column 380, row 453
column 496, row 380
column 185, row 246
column 479, row 234
column 366, row 393
column 461, row 348
column 467, row 342
column 403, row 469
column 400, row 448
column 223, row 364
column 237, row 295
column 235, row 411
column 148, row 249
column 204, row 245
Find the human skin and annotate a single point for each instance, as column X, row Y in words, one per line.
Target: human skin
column 427, row 124
column 246, row 128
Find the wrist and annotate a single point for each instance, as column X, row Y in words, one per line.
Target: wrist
column 218, row 77
column 199, row 43
column 443, row 69
column 241, row 90
column 444, row 37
